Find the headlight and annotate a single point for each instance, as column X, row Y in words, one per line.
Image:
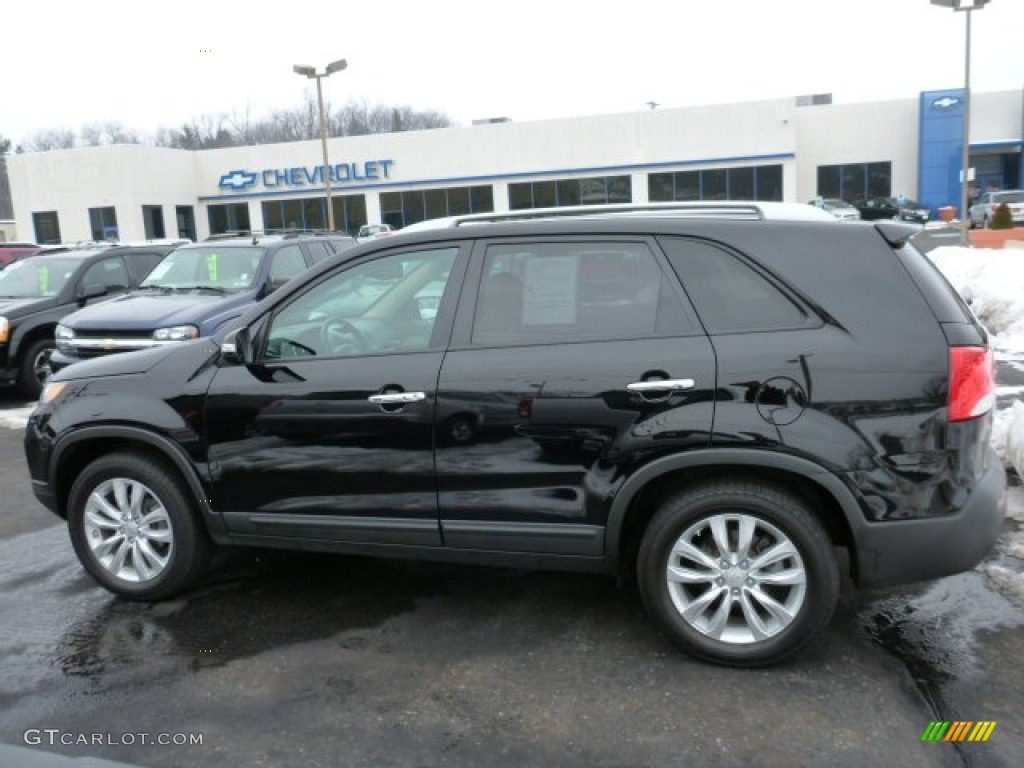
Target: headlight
column 5, row 329
column 64, row 336
column 176, row 333
column 52, row 391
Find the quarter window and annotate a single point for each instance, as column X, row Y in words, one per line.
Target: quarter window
column 288, row 262
column 729, row 295
column 540, row 293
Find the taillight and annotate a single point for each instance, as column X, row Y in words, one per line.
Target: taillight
column 972, row 382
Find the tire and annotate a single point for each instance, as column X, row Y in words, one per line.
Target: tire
column 35, row 370
column 727, row 619
column 166, row 555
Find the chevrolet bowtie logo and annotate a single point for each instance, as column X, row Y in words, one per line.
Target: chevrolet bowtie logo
column 237, row 180
column 946, row 102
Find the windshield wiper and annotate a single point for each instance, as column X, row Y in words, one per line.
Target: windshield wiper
column 214, row 288
column 162, row 288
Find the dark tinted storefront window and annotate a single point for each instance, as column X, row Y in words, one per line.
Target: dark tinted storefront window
column 754, row 182
column 232, row 217
column 103, row 223
column 855, row 181
column 400, row 209
column 598, row 190
column 47, row 226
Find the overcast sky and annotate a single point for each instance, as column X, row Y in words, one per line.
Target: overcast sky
column 151, row 63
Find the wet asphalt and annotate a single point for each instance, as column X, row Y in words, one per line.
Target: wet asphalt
column 308, row 660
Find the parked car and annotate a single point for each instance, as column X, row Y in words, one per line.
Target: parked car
column 985, row 206
column 711, row 398
column 194, row 292
column 37, row 293
column 840, row 209
column 374, row 232
column 876, row 208
column 12, row 251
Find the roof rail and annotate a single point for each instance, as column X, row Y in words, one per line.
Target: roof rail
column 718, row 210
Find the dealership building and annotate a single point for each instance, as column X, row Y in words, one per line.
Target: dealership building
column 781, row 149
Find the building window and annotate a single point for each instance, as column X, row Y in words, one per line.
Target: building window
column 599, row 190
column 752, row 182
column 232, row 217
column 855, row 181
column 186, row 219
column 153, row 221
column 400, row 209
column 47, row 227
column 349, row 213
column 103, row 223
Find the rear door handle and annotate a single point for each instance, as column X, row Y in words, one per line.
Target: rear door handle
column 661, row 385
column 394, row 398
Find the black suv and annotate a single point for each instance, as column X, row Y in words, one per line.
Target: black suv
column 36, row 294
column 198, row 290
column 711, row 398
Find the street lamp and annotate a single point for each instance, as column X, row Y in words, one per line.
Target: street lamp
column 968, row 6
column 310, row 72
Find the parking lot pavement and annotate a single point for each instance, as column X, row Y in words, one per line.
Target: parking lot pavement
column 310, row 660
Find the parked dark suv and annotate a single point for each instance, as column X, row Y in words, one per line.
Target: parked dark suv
column 712, row 398
column 37, row 293
column 201, row 288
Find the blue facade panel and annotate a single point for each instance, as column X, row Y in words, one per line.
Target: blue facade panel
column 940, row 147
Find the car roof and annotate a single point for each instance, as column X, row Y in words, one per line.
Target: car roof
column 729, row 211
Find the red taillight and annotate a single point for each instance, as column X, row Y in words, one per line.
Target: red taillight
column 972, row 382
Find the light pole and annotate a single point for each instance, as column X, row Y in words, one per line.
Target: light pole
column 967, row 6
column 310, row 72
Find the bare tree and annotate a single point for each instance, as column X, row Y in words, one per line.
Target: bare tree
column 204, row 132
column 43, row 141
column 109, row 132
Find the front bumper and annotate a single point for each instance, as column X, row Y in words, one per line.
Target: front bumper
column 904, row 551
column 60, row 360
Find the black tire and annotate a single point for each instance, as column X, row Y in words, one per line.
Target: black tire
column 773, row 512
column 186, row 556
column 30, row 380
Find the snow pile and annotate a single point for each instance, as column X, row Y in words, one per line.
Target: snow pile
column 1008, row 436
column 992, row 281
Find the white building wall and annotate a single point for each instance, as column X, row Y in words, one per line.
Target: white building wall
column 997, row 116
column 884, row 131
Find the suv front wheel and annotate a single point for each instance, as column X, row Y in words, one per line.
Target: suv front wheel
column 134, row 528
column 739, row 573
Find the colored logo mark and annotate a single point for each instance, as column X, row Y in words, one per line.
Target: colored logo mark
column 958, row 730
column 237, row 180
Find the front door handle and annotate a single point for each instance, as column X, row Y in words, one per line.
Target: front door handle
column 397, row 398
column 660, row 385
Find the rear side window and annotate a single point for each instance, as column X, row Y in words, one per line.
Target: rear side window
column 318, row 251
column 729, row 295
column 545, row 293
column 142, row 264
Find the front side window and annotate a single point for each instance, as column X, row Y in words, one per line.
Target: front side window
column 543, row 293
column 288, row 263
column 382, row 306
column 220, row 269
column 106, row 275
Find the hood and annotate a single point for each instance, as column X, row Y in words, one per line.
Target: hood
column 17, row 307
column 149, row 311
column 117, row 365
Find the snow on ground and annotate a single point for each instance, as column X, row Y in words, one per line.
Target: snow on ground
column 16, row 418
column 992, row 281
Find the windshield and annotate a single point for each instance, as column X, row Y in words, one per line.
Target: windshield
column 217, row 268
column 36, row 277
column 1008, row 197
column 830, row 202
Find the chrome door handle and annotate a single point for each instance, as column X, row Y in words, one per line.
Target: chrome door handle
column 660, row 386
column 391, row 398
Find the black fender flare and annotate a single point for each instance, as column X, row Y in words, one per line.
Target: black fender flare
column 736, row 459
column 167, row 448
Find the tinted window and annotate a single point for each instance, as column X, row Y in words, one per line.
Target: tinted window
column 108, row 274
column 386, row 305
column 142, row 264
column 541, row 293
column 318, row 251
column 728, row 294
column 288, row 263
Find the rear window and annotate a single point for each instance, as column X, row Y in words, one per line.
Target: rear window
column 729, row 295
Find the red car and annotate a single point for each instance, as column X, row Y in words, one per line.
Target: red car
column 11, row 252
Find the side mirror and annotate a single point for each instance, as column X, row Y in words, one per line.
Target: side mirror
column 236, row 349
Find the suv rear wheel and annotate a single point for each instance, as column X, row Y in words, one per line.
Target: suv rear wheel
column 134, row 528
column 739, row 572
